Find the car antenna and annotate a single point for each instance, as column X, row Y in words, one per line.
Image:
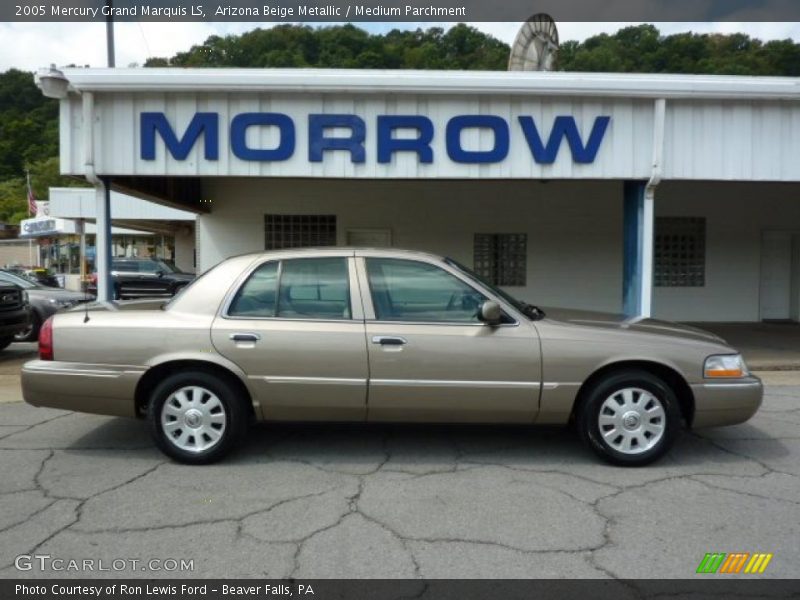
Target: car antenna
column 85, row 302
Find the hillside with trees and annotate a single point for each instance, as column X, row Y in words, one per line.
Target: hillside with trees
column 29, row 121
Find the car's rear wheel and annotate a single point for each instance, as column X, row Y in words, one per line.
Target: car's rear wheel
column 629, row 418
column 30, row 333
column 197, row 418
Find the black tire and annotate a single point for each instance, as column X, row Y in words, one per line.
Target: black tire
column 31, row 334
column 5, row 342
column 611, row 388
column 235, row 417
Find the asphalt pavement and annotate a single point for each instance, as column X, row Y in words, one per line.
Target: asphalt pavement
column 317, row 501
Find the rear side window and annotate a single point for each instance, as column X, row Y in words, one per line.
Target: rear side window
column 313, row 288
column 256, row 298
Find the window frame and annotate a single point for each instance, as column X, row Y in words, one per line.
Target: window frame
column 356, row 315
column 496, row 242
column 369, row 307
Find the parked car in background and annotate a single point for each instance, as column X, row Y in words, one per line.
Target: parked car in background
column 15, row 313
column 381, row 335
column 143, row 278
column 39, row 275
column 44, row 302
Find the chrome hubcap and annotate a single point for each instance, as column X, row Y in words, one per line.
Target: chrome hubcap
column 193, row 419
column 632, row 420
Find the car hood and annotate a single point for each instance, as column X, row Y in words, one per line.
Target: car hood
column 57, row 294
column 600, row 320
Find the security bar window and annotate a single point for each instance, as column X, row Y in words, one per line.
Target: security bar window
column 299, row 231
column 680, row 252
column 501, row 258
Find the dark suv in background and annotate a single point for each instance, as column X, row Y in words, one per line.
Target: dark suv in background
column 15, row 312
column 144, row 277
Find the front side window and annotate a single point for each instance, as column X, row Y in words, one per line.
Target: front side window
column 307, row 288
column 125, row 267
column 405, row 290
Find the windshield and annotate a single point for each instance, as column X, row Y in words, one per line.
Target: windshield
column 167, row 267
column 17, row 280
column 526, row 309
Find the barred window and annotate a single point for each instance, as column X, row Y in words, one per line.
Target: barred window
column 680, row 252
column 501, row 258
column 299, row 231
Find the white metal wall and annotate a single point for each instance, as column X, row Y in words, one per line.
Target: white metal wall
column 574, row 229
column 736, row 216
column 706, row 140
column 624, row 153
column 733, row 141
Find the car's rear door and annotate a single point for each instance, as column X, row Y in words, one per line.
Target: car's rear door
column 296, row 327
column 431, row 358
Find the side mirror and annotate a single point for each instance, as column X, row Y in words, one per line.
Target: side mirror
column 490, row 313
column 159, row 273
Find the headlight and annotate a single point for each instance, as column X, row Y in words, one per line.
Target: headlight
column 725, row 365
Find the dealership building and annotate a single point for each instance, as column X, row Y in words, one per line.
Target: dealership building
column 675, row 196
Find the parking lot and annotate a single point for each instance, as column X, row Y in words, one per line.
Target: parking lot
column 394, row 501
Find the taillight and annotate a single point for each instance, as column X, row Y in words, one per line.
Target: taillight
column 46, row 340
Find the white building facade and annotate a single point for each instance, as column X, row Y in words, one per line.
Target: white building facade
column 675, row 196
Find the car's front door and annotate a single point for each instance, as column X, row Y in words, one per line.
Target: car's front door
column 430, row 356
column 151, row 278
column 296, row 328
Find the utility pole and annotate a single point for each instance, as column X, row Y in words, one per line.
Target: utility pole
column 110, row 33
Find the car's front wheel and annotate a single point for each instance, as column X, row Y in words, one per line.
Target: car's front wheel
column 629, row 418
column 197, row 418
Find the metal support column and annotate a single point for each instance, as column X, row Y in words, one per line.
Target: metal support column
column 103, row 240
column 637, row 279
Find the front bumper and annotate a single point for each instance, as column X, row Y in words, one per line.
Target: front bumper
column 726, row 403
column 14, row 321
column 100, row 389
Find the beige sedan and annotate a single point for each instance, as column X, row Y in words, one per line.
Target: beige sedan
column 381, row 335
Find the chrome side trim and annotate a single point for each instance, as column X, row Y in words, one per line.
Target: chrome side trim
column 82, row 372
column 313, row 380
column 443, row 323
column 453, row 383
column 553, row 385
column 725, row 384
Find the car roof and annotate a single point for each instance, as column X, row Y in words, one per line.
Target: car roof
column 344, row 250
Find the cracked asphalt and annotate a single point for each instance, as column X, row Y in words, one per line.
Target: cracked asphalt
column 342, row 501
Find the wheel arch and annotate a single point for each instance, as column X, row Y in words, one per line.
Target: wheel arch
column 669, row 375
column 155, row 374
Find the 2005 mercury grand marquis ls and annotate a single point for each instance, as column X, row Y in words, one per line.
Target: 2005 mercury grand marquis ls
column 381, row 335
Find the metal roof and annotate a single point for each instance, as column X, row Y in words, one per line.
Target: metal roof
column 629, row 85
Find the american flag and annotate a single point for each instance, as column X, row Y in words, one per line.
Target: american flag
column 32, row 207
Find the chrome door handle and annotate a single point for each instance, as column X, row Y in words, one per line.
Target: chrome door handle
column 389, row 340
column 245, row 337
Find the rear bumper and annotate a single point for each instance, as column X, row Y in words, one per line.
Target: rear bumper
column 726, row 403
column 100, row 389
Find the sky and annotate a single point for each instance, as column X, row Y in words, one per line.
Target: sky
column 29, row 46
